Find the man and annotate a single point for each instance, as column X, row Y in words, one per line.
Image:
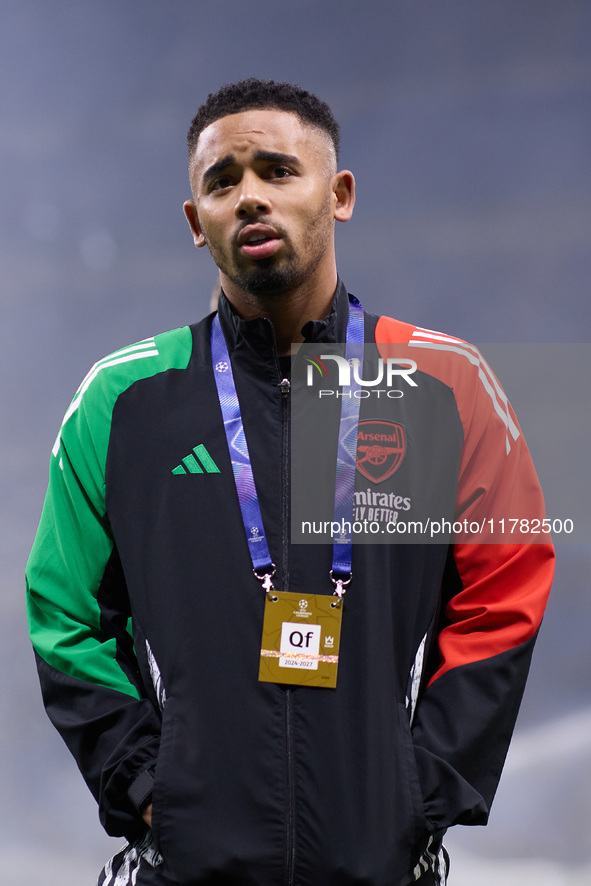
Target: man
column 213, row 732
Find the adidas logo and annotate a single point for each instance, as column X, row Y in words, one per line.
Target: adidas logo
column 198, row 462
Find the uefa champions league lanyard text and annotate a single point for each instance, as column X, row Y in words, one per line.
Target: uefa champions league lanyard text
column 262, row 564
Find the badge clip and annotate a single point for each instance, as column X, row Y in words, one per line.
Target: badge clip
column 266, row 580
column 340, row 588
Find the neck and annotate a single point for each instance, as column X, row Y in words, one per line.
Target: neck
column 287, row 311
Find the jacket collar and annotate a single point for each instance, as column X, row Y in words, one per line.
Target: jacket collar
column 259, row 333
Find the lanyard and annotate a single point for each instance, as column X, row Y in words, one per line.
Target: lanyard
column 262, row 564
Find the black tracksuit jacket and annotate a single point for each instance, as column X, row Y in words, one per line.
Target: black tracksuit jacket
column 146, row 617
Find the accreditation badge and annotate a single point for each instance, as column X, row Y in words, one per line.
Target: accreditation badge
column 301, row 637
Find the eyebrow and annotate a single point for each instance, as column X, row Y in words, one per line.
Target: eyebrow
column 218, row 167
column 266, row 156
column 277, row 157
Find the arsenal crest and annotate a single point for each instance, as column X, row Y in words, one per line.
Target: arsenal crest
column 380, row 449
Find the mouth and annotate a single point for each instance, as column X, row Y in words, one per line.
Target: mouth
column 258, row 241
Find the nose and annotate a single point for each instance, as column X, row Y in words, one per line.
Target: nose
column 251, row 197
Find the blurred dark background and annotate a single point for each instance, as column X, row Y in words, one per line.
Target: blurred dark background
column 467, row 124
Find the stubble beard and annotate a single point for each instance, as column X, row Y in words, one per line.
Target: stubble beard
column 268, row 280
column 271, row 279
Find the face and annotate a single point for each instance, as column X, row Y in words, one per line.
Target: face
column 266, row 194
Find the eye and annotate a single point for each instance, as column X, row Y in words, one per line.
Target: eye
column 280, row 172
column 221, row 183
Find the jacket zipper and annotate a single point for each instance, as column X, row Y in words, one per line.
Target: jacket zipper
column 285, row 387
column 290, row 844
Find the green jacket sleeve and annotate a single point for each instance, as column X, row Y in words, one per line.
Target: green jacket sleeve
column 79, row 615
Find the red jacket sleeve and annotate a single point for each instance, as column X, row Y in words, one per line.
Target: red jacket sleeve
column 494, row 592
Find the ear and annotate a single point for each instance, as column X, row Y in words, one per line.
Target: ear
column 343, row 185
column 190, row 210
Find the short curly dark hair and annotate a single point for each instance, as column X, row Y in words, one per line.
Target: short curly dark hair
column 247, row 95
